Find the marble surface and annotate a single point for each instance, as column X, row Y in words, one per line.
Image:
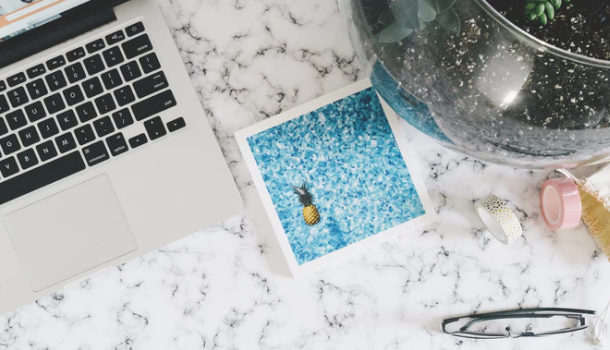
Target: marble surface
column 225, row 288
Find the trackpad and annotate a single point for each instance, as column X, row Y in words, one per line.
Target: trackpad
column 70, row 232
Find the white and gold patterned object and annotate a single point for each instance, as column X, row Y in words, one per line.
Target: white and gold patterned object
column 499, row 219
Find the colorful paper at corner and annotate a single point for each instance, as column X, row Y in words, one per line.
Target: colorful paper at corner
column 335, row 177
column 595, row 197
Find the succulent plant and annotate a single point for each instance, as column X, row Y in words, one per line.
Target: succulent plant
column 542, row 10
column 406, row 16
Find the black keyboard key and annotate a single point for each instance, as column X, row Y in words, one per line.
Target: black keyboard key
column 35, row 111
column 29, row 136
column 124, row 95
column 122, row 118
column 10, row 144
column 56, row 80
column 18, row 97
column 115, row 37
column 112, row 79
column 27, row 159
column 2, row 85
column 117, row 145
column 16, row 79
column 176, row 124
column 46, row 151
column 48, row 128
column 36, row 71
column 131, row 71
column 86, row 112
column 75, row 72
column 16, row 119
column 3, row 127
column 93, row 87
column 56, row 62
column 4, row 107
column 103, row 126
column 65, row 142
column 135, row 28
column 94, row 64
column 40, row 177
column 73, row 95
column 95, row 45
column 154, row 128
column 113, row 56
column 37, row 89
column 75, row 54
column 153, row 105
column 137, row 46
column 8, row 167
column 150, row 63
column 54, row 103
column 138, row 141
column 105, row 104
column 151, row 84
column 84, row 134
column 96, row 153
column 67, row 120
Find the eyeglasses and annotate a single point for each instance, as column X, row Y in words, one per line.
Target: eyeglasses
column 517, row 323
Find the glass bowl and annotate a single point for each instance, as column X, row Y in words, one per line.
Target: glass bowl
column 482, row 86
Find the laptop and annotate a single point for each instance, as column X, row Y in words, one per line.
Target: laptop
column 105, row 150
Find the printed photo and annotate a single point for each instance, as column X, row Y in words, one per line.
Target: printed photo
column 335, row 176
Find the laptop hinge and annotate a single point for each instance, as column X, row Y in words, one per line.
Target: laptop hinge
column 61, row 31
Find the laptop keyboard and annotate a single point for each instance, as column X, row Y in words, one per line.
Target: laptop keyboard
column 62, row 116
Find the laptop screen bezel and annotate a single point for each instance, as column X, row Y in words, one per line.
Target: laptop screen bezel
column 62, row 24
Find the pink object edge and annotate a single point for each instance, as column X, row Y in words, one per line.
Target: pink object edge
column 571, row 206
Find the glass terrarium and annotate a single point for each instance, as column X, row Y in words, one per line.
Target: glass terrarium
column 462, row 73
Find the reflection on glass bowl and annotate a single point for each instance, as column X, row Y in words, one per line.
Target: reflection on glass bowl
column 491, row 90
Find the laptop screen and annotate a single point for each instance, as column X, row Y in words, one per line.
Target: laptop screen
column 20, row 16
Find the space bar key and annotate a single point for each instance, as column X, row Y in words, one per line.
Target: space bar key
column 40, row 177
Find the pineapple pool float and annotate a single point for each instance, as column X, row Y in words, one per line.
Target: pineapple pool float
column 310, row 211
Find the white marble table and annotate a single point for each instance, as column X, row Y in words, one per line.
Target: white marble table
column 224, row 289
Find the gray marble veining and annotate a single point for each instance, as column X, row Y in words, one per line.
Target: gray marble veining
column 225, row 289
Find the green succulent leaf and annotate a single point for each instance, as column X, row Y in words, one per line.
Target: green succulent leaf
column 543, row 19
column 386, row 18
column 550, row 10
column 443, row 5
column 422, row 25
column 530, row 6
column 556, row 4
column 394, row 33
column 405, row 12
column 450, row 21
column 542, row 10
column 425, row 11
column 532, row 16
column 405, row 16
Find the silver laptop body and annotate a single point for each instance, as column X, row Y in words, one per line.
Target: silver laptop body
column 119, row 185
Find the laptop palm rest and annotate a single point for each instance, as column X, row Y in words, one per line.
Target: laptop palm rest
column 70, row 233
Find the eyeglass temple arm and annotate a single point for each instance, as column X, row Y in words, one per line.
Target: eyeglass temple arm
column 520, row 313
column 539, row 309
column 580, row 318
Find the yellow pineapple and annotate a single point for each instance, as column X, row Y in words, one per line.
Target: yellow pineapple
column 310, row 211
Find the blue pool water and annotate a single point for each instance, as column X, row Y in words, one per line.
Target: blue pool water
column 347, row 154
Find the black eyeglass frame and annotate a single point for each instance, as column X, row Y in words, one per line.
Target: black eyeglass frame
column 577, row 314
